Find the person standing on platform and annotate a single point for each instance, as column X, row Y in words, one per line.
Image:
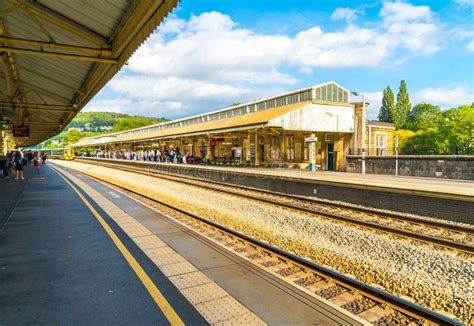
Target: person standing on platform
column 185, row 157
column 29, row 157
column 43, row 158
column 158, row 155
column 3, row 166
column 36, row 163
column 18, row 164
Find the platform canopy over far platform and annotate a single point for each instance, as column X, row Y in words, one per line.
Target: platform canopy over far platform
column 56, row 55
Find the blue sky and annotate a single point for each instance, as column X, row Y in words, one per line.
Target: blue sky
column 208, row 54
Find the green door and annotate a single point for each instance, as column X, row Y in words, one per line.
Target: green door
column 330, row 153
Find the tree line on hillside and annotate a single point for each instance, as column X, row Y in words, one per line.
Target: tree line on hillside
column 88, row 124
column 426, row 129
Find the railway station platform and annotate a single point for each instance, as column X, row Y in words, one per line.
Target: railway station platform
column 75, row 251
column 442, row 198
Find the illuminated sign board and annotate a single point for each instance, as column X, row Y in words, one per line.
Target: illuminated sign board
column 21, row 131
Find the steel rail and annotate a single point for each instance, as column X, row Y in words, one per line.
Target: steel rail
column 408, row 234
column 399, row 304
column 400, row 216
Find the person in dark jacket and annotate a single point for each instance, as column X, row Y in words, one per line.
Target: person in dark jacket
column 18, row 165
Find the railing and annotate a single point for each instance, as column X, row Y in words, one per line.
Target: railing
column 371, row 152
column 417, row 150
column 438, row 150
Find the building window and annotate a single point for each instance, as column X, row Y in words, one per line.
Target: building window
column 331, row 93
column 275, row 148
column 305, row 96
column 381, row 144
column 305, row 149
column 290, row 148
column 292, row 98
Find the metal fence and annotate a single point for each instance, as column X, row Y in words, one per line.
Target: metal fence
column 437, row 150
column 418, row 150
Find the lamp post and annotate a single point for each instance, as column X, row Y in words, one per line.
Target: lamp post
column 363, row 129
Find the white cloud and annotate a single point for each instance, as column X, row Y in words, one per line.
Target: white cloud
column 212, row 47
column 375, row 101
column 209, row 61
column 172, row 97
column 445, row 97
column 465, row 2
column 168, row 89
column 470, row 46
column 396, row 12
column 108, row 105
column 346, row 14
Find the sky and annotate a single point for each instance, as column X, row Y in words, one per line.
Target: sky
column 209, row 54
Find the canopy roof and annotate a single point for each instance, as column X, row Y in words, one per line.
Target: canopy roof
column 241, row 122
column 56, row 55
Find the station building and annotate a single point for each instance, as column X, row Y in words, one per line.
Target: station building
column 267, row 132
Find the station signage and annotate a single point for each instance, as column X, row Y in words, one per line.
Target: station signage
column 21, row 131
column 311, row 139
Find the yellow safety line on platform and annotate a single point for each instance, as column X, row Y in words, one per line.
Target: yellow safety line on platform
column 159, row 298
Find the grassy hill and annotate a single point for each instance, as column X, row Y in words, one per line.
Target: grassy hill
column 87, row 124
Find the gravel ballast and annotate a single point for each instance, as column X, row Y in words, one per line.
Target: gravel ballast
column 435, row 279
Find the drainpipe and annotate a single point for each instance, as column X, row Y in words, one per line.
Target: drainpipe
column 256, row 148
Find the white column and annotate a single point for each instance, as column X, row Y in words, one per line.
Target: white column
column 312, row 154
column 363, row 134
column 356, row 136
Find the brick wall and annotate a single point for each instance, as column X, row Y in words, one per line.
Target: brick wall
column 448, row 167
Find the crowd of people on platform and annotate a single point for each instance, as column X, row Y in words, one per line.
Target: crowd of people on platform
column 14, row 162
column 168, row 155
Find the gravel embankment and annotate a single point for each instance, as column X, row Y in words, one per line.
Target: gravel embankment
column 434, row 279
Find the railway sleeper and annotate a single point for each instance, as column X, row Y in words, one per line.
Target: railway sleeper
column 344, row 298
column 318, row 286
column 290, row 270
column 376, row 313
column 299, row 276
column 308, row 280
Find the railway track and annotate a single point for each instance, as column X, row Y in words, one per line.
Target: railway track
column 440, row 235
column 366, row 303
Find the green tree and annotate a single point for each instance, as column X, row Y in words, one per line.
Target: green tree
column 403, row 106
column 72, row 136
column 134, row 122
column 403, row 136
column 423, row 116
column 388, row 106
column 426, row 142
column 457, row 126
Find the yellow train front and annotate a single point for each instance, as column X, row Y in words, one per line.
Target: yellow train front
column 68, row 154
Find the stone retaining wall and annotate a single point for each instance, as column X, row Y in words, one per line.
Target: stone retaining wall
column 448, row 167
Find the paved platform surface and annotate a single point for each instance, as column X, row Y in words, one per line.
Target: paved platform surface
column 444, row 186
column 58, row 266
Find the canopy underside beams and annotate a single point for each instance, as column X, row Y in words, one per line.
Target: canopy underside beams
column 56, row 55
